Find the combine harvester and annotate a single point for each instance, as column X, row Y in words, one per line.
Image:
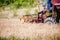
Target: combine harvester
column 42, row 17
column 50, row 18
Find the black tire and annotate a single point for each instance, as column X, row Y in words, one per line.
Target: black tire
column 50, row 20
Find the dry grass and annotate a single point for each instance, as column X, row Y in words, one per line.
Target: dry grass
column 13, row 27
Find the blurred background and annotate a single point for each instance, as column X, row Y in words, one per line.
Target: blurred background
column 16, row 8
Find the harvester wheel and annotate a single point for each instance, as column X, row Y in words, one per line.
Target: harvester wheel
column 50, row 20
